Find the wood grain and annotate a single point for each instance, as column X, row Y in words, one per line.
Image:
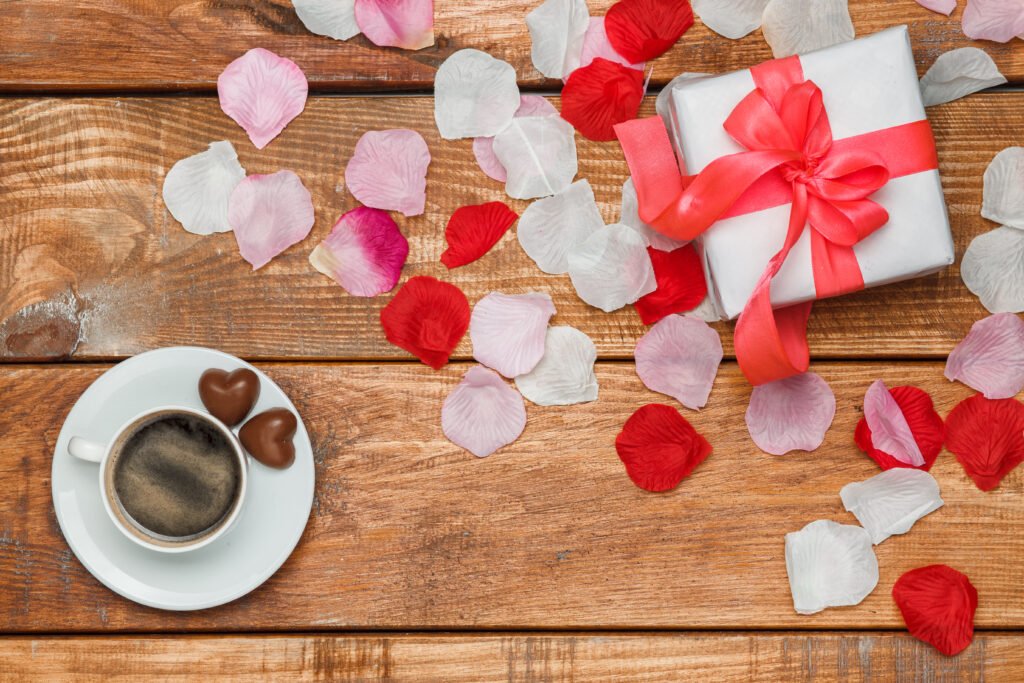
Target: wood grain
column 93, row 266
column 185, row 44
column 653, row 658
column 408, row 531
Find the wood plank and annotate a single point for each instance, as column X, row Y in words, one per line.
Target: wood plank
column 93, row 266
column 409, row 531
column 512, row 657
column 184, row 45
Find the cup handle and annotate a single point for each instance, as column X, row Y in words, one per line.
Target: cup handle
column 84, row 449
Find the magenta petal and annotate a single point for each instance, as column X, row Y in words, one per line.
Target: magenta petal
column 408, row 24
column 998, row 20
column 364, row 253
column 262, row 92
column 483, row 147
column 268, row 214
column 990, row 359
column 595, row 44
column 941, row 6
column 483, row 413
column 388, row 170
column 890, row 432
column 679, row 356
column 791, row 414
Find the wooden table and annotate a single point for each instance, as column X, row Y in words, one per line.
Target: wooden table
column 421, row 562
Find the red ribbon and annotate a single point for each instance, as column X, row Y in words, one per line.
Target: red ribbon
column 792, row 158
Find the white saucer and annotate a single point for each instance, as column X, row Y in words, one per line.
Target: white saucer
column 274, row 516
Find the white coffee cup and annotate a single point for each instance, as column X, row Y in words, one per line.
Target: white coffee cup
column 106, row 456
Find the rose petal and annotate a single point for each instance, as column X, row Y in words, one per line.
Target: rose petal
column 659, row 447
column 938, row 604
column 707, row 311
column 679, row 357
column 611, row 268
column 993, row 269
column 987, row 437
column 990, row 359
column 731, row 18
column 565, row 374
column 681, row 284
column 641, row 30
column 829, row 565
column 508, row 331
column 889, row 429
column 539, row 156
column 600, row 95
column 535, row 105
column 556, row 29
column 998, row 20
column 473, row 230
column 474, row 95
column 889, row 503
column 941, row 6
column 483, row 147
column 799, row 26
column 427, row 318
column 332, row 18
column 1003, row 199
column 959, row 73
column 552, row 227
column 925, row 424
column 364, row 253
column 408, row 24
column 262, row 93
column 483, row 413
column 269, row 213
column 791, row 414
column 595, row 44
column 197, row 189
column 388, row 170
column 629, row 215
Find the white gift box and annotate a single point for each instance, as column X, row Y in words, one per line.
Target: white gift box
column 867, row 85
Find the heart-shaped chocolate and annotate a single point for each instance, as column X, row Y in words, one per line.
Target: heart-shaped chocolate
column 229, row 396
column 268, row 437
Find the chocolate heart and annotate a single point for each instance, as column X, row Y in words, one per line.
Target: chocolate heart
column 268, row 437
column 229, row 396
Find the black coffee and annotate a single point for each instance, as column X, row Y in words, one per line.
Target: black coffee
column 177, row 476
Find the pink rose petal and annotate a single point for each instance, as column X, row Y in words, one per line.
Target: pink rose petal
column 483, row 413
column 508, row 331
column 262, row 92
column 268, row 214
column 388, row 170
column 889, row 429
column 408, row 24
column 990, row 359
column 364, row 253
column 483, row 147
column 998, row 20
column 941, row 6
column 791, row 414
column 680, row 356
column 595, row 44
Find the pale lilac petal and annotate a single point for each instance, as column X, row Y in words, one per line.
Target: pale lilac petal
column 364, row 253
column 483, row 413
column 679, row 357
column 612, row 268
column 483, row 147
column 890, row 432
column 959, row 73
column 998, row 20
column 889, row 503
column 629, row 215
column 565, row 374
column 1003, row 197
column 388, row 170
column 795, row 27
column 993, row 269
column 197, row 189
column 791, row 414
column 269, row 213
column 262, row 92
column 595, row 44
column 408, row 24
column 552, row 227
column 332, row 18
column 941, row 6
column 508, row 331
column 535, row 105
column 830, row 565
column 474, row 95
column 556, row 30
column 539, row 156
column 730, row 18
column 990, row 359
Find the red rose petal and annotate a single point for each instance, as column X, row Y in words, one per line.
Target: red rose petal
column 427, row 318
column 641, row 30
column 473, row 230
column 681, row 284
column 659, row 447
column 938, row 604
column 987, row 437
column 925, row 424
column 600, row 95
